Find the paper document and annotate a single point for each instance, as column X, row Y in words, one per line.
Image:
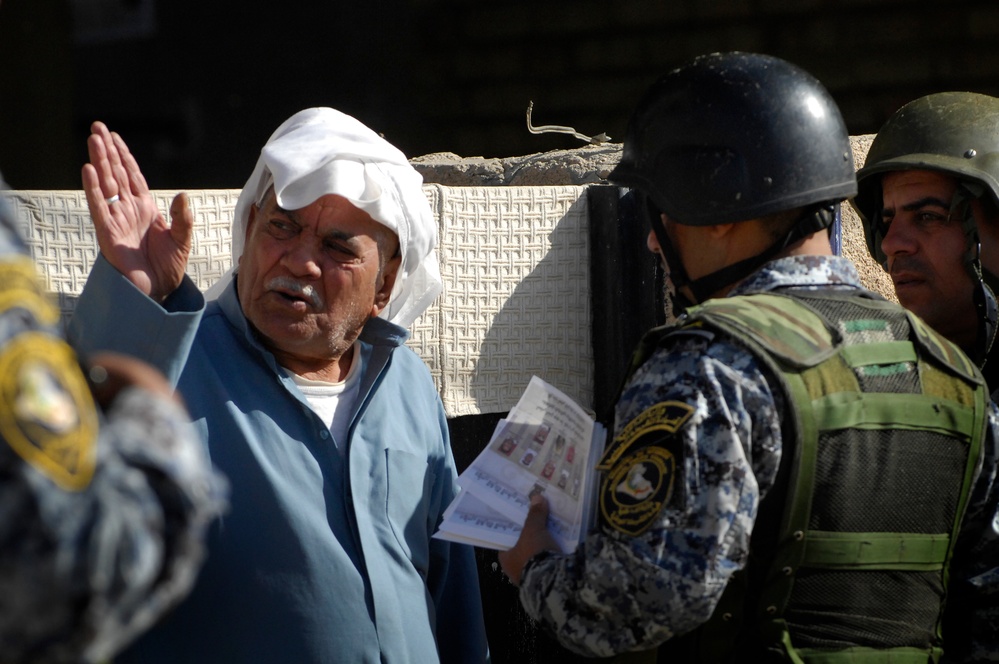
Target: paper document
column 547, row 444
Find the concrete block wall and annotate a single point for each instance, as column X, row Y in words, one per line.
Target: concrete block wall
column 591, row 165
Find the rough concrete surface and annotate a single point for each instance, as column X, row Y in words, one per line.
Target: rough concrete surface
column 592, row 163
column 586, row 165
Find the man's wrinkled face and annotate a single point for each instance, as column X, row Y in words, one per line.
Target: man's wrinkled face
column 926, row 250
column 309, row 279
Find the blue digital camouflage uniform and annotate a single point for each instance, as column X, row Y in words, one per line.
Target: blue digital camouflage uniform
column 641, row 578
column 102, row 516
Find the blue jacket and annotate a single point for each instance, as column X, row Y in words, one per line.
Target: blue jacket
column 323, row 557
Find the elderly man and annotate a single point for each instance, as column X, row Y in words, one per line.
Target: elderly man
column 329, row 429
column 810, row 447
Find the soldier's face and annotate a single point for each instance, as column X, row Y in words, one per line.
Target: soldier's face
column 926, row 249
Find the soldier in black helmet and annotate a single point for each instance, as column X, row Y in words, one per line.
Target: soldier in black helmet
column 928, row 195
column 806, row 450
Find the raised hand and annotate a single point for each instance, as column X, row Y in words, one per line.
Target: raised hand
column 131, row 231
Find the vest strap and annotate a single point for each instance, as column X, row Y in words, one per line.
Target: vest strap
column 876, row 550
column 846, row 410
column 868, row 656
column 883, row 352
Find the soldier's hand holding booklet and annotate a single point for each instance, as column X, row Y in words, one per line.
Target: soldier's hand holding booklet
column 547, row 444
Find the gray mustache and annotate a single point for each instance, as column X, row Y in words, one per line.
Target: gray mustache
column 305, row 291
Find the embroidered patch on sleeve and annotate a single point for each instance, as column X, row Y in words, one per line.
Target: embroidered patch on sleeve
column 20, row 287
column 640, row 468
column 47, row 415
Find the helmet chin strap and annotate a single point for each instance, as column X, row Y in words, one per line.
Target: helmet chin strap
column 988, row 314
column 677, row 274
column 811, row 221
column 983, row 296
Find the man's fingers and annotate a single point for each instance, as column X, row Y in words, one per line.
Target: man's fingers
column 101, row 130
column 97, row 149
column 534, row 538
column 102, row 150
column 537, row 515
column 91, row 186
column 119, row 174
column 100, row 213
column 181, row 221
column 136, row 180
column 112, row 174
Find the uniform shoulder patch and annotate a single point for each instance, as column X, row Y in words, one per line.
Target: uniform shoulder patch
column 20, row 287
column 47, row 415
column 641, row 466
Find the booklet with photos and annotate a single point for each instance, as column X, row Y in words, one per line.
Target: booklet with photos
column 547, row 444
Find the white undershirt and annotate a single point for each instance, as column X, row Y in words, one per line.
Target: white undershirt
column 334, row 402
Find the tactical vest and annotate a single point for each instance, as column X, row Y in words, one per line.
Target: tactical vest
column 849, row 557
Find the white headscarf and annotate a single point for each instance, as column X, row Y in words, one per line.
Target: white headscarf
column 322, row 151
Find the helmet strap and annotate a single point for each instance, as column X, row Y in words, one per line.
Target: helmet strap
column 813, row 220
column 677, row 273
column 988, row 314
column 983, row 297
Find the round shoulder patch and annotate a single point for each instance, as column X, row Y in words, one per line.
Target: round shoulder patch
column 47, row 415
column 641, row 466
column 20, row 287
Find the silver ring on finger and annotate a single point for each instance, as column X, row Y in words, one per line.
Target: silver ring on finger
column 112, row 200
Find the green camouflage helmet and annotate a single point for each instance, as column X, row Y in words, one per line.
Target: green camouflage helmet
column 952, row 132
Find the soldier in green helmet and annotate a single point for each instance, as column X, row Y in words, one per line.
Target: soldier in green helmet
column 928, row 194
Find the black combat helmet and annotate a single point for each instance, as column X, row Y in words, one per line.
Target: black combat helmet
column 729, row 137
column 736, row 136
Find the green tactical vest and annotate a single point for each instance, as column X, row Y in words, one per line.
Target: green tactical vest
column 849, row 557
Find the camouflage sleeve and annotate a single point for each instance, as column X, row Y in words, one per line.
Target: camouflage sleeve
column 697, row 441
column 971, row 623
column 102, row 519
